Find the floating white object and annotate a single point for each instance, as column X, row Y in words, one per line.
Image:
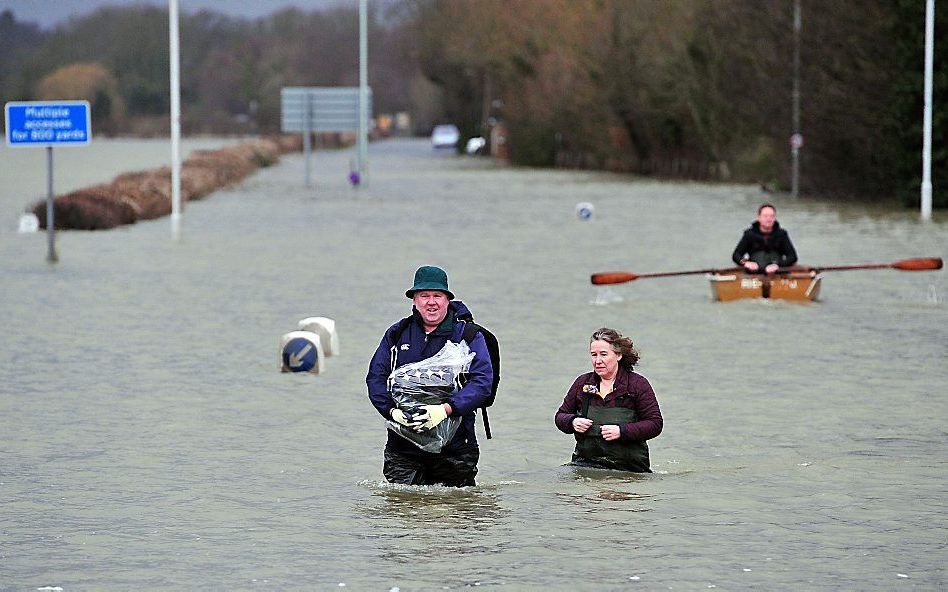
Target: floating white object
column 29, row 223
column 584, row 210
column 301, row 351
column 326, row 329
column 475, row 145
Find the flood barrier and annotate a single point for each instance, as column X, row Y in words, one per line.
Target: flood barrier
column 144, row 195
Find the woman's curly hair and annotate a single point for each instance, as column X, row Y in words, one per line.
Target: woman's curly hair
column 621, row 345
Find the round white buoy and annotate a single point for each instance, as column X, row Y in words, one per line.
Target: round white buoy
column 584, row 210
column 326, row 329
column 29, row 223
column 301, row 351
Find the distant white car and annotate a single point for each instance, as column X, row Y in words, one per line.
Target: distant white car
column 445, row 136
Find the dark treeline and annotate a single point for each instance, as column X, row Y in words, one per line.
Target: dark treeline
column 699, row 88
column 687, row 89
column 231, row 69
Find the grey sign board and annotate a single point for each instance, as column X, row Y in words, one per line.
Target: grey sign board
column 324, row 109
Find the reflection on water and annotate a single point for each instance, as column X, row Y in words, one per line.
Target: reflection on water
column 604, row 485
column 590, row 503
column 587, row 474
column 412, row 524
column 420, row 507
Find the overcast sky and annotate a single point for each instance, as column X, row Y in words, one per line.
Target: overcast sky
column 48, row 13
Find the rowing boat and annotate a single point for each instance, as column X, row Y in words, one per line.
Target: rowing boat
column 790, row 283
column 796, row 285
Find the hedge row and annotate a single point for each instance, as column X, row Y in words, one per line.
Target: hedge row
column 144, row 195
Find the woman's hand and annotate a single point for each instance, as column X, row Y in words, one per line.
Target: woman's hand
column 581, row 424
column 610, row 432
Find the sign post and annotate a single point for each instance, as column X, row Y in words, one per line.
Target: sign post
column 926, row 197
column 48, row 123
column 175, row 105
column 796, row 140
column 51, row 255
column 321, row 109
column 363, row 93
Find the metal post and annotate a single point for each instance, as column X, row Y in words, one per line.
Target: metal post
column 50, row 217
column 363, row 94
column 927, row 125
column 175, row 119
column 795, row 149
column 486, row 104
column 307, row 132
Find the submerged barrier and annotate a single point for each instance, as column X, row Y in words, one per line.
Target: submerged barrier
column 305, row 349
column 144, row 195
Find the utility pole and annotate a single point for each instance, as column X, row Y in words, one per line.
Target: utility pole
column 363, row 94
column 796, row 140
column 175, row 119
column 927, row 126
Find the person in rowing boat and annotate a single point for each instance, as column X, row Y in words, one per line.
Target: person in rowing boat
column 765, row 247
column 430, row 403
column 612, row 410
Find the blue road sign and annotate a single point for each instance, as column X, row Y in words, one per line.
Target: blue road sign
column 48, row 123
column 299, row 355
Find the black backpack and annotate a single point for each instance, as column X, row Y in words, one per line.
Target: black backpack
column 471, row 329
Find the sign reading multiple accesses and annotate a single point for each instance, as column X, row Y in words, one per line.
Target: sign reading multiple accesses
column 39, row 123
column 48, row 124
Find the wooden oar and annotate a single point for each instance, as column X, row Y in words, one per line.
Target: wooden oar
column 920, row 264
column 621, row 277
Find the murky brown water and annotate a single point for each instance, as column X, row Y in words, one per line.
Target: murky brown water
column 148, row 440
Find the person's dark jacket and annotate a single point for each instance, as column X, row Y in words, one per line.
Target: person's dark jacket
column 413, row 345
column 777, row 242
column 630, row 389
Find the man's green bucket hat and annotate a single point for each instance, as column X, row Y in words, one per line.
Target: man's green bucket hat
column 429, row 277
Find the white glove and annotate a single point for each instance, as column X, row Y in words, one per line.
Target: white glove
column 413, row 422
column 431, row 415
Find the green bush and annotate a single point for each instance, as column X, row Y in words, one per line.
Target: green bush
column 532, row 146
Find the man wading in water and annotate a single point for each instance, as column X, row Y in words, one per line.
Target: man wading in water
column 436, row 320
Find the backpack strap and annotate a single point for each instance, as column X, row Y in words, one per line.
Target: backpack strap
column 486, row 422
column 470, row 332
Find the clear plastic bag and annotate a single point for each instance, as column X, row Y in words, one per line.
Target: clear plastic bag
column 430, row 382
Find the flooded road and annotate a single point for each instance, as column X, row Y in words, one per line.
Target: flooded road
column 149, row 441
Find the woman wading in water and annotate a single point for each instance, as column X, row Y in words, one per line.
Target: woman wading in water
column 612, row 410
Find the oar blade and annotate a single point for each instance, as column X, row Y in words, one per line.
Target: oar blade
column 921, row 264
column 612, row 277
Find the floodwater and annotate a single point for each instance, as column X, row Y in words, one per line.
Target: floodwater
column 148, row 440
